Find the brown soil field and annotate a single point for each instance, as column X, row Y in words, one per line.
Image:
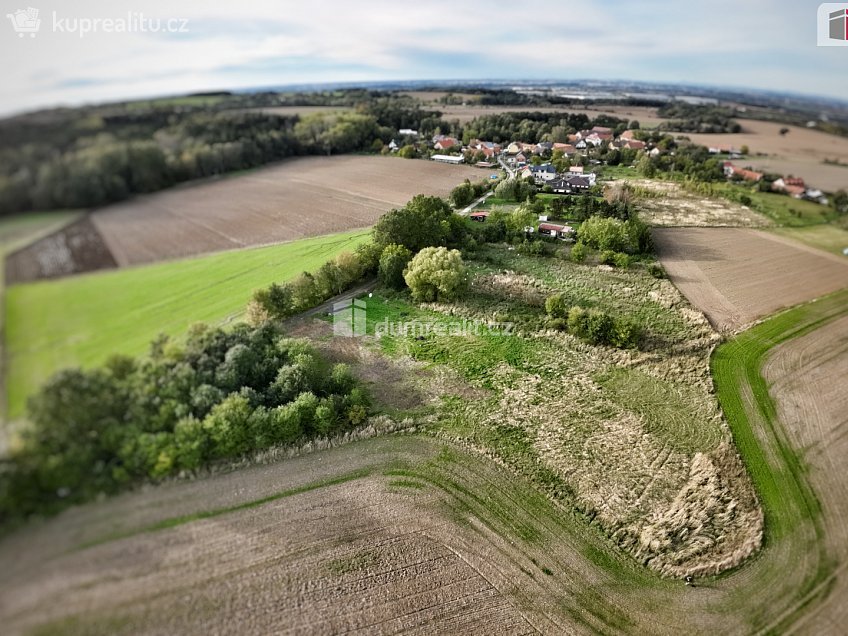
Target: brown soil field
column 76, row 248
column 294, row 199
column 645, row 116
column 736, row 276
column 808, row 377
column 290, row 111
column 800, row 152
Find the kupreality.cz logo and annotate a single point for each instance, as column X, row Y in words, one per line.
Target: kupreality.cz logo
column 27, row 22
column 832, row 24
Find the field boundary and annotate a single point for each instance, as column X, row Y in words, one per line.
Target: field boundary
column 786, row 497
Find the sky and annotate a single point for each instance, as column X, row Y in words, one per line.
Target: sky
column 216, row 45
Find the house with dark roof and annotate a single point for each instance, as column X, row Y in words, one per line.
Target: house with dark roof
column 544, row 173
column 571, row 184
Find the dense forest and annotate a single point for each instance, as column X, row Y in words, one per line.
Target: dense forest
column 685, row 117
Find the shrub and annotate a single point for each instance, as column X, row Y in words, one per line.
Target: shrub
column 462, row 194
column 621, row 260
column 578, row 252
column 604, row 234
column 556, row 306
column 435, row 273
column 393, row 262
column 656, row 270
column 625, row 334
column 607, row 257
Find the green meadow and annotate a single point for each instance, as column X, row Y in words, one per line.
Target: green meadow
column 80, row 321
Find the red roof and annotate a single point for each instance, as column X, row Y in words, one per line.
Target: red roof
column 554, row 227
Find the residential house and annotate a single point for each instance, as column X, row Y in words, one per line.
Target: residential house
column 572, row 184
column 655, row 152
column 628, row 135
column 544, row 173
column 635, row 144
column 394, row 146
column 556, row 230
column 576, row 169
column 748, row 175
column 446, row 143
column 567, row 149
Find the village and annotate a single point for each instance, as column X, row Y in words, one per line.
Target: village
column 572, row 167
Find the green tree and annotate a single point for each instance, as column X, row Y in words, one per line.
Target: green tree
column 393, row 262
column 435, row 273
column 423, row 222
column 462, row 195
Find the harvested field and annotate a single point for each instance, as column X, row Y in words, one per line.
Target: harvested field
column 736, row 276
column 76, row 248
column 301, row 111
column 800, row 152
column 645, row 116
column 294, row 199
column 808, row 377
column 673, row 206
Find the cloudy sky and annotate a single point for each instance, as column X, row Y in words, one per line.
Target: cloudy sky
column 229, row 45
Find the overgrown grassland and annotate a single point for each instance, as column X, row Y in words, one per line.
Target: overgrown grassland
column 783, row 210
column 579, row 420
column 80, row 321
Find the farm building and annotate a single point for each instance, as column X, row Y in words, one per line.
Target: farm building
column 455, row 159
column 555, row 230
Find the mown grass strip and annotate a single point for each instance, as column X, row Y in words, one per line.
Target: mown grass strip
column 776, row 469
column 173, row 522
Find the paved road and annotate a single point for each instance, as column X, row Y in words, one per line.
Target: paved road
column 509, row 171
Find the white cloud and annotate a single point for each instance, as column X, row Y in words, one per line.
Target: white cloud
column 260, row 42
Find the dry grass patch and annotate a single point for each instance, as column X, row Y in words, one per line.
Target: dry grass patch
column 674, row 206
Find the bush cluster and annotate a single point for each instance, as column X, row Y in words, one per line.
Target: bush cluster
column 223, row 394
column 592, row 325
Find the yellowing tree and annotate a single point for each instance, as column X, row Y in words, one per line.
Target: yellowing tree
column 435, row 273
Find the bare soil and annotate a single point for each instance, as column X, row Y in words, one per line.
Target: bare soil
column 808, row 377
column 78, row 247
column 736, row 275
column 294, row 199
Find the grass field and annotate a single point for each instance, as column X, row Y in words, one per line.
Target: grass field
column 82, row 320
column 827, row 237
column 783, row 210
